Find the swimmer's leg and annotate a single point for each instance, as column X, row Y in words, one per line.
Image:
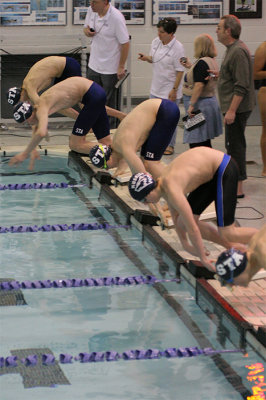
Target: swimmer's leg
column 81, row 145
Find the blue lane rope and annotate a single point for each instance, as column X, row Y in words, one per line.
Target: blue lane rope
column 99, row 356
column 59, row 227
column 75, row 282
column 49, row 185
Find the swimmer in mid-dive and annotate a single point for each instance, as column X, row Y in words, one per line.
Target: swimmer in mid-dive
column 149, row 127
column 237, row 268
column 205, row 175
column 63, row 95
column 49, row 70
column 44, row 73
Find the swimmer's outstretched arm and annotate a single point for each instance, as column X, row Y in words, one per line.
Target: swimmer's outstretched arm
column 29, row 93
column 39, row 132
column 180, row 207
column 182, row 233
column 134, row 162
column 115, row 113
column 69, row 112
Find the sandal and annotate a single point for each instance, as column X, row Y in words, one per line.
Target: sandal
column 169, row 151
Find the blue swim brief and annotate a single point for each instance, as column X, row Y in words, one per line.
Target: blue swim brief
column 222, row 189
column 93, row 114
column 72, row 68
column 162, row 131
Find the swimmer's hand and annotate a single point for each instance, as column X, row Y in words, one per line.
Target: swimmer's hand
column 209, row 264
column 34, row 155
column 18, row 158
column 121, row 169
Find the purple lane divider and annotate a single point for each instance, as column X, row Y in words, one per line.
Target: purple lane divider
column 60, row 227
column 65, row 358
column 36, row 185
column 48, row 359
column 11, row 361
column 89, row 282
column 100, row 356
column 31, row 360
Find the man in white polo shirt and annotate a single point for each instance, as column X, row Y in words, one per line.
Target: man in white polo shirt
column 106, row 26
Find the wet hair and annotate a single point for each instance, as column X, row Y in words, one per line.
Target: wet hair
column 233, row 23
column 169, row 25
column 204, row 46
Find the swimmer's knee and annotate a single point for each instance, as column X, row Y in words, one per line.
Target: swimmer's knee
column 227, row 232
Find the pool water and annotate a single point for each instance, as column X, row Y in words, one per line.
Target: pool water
column 92, row 319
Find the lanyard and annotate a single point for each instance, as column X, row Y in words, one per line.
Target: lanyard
column 165, row 54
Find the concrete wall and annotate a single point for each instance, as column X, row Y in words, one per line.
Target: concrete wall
column 57, row 39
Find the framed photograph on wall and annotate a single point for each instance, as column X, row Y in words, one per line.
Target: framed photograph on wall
column 32, row 12
column 188, row 12
column 246, row 8
column 133, row 11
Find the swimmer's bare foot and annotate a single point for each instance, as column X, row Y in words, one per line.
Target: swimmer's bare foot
column 119, row 172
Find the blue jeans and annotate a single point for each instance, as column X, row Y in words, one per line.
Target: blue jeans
column 173, row 140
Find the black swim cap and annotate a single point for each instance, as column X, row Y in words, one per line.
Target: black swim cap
column 140, row 185
column 230, row 264
column 13, row 95
column 99, row 155
column 22, row 111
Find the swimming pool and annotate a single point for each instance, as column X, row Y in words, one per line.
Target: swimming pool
column 117, row 318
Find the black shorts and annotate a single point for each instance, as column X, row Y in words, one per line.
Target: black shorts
column 162, row 131
column 222, row 189
column 93, row 114
column 72, row 68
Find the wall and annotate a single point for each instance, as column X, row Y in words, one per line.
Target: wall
column 57, row 39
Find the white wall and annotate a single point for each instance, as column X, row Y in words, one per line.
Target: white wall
column 56, row 39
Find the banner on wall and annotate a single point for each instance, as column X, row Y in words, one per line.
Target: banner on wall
column 32, row 12
column 188, row 11
column 133, row 11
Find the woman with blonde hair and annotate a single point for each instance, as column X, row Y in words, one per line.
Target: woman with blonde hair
column 199, row 93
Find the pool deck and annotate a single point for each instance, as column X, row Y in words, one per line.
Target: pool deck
column 248, row 305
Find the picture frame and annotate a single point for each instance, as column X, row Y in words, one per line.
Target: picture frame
column 246, row 8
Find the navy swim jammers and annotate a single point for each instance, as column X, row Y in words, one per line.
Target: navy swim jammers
column 162, row 131
column 72, row 68
column 93, row 114
column 222, row 189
